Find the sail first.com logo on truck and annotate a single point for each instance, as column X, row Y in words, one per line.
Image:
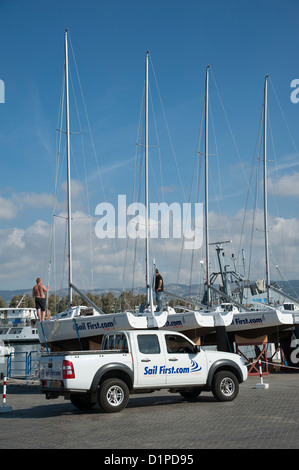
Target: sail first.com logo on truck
column 162, row 370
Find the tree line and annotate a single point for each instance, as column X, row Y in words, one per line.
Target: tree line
column 108, row 303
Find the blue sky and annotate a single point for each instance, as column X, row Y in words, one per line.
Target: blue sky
column 243, row 41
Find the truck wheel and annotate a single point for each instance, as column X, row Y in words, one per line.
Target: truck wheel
column 225, row 386
column 82, row 402
column 113, row 395
column 191, row 394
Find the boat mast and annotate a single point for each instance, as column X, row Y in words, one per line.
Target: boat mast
column 146, row 184
column 68, row 168
column 206, row 185
column 265, row 193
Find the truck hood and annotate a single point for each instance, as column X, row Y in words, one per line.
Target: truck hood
column 214, row 355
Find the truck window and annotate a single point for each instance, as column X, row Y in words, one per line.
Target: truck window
column 148, row 344
column 110, row 343
column 116, row 342
column 121, row 343
column 178, row 345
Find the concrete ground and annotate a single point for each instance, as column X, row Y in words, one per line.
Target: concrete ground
column 257, row 419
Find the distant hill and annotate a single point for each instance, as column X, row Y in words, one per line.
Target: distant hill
column 7, row 295
column 289, row 287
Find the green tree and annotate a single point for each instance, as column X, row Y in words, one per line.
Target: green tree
column 26, row 301
column 2, row 303
column 15, row 300
column 139, row 299
column 62, row 304
column 108, row 303
column 77, row 300
column 95, row 298
column 125, row 301
column 53, row 303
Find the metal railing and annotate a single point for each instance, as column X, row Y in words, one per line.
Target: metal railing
column 22, row 364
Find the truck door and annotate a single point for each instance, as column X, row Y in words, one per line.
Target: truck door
column 183, row 365
column 150, row 361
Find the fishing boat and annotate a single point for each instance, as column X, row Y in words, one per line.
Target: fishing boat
column 18, row 325
column 238, row 313
column 252, row 316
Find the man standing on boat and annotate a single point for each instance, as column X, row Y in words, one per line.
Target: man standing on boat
column 159, row 288
column 38, row 292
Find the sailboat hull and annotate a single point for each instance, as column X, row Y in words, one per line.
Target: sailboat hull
column 84, row 328
column 251, row 325
column 257, row 320
column 85, row 332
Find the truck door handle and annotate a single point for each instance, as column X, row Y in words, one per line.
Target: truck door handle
column 145, row 360
column 173, row 358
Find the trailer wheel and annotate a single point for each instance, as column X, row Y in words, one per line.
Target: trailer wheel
column 225, row 386
column 113, row 395
column 82, row 402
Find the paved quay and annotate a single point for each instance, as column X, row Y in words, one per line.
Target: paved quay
column 257, row 419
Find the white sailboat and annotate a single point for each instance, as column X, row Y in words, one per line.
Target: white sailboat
column 194, row 321
column 79, row 325
column 197, row 323
column 82, row 327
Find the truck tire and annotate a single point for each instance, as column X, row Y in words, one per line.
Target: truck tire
column 83, row 402
column 113, row 395
column 190, row 394
column 225, row 386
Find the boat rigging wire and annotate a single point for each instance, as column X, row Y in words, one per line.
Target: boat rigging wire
column 140, row 156
column 168, row 131
column 249, row 192
column 52, row 245
column 272, row 187
column 197, row 163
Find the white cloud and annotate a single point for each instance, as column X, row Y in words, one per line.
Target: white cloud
column 99, row 263
column 32, row 200
column 16, row 238
column 76, row 188
column 286, row 186
column 11, row 207
column 169, row 189
column 8, row 210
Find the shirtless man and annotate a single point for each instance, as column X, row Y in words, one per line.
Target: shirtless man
column 38, row 292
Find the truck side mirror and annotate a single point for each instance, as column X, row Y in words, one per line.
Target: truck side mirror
column 196, row 348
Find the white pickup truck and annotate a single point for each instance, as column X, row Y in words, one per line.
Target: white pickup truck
column 140, row 361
